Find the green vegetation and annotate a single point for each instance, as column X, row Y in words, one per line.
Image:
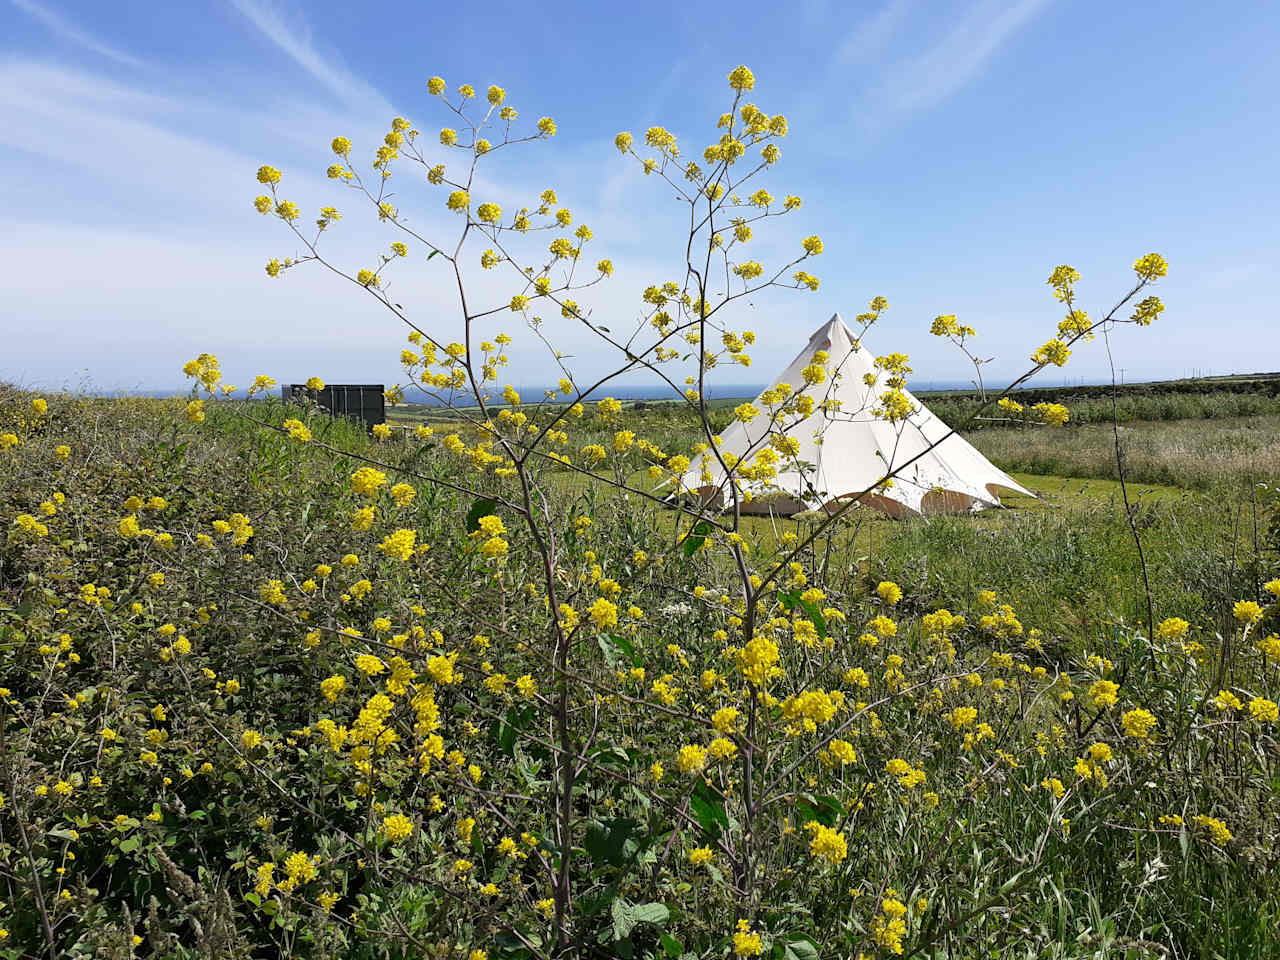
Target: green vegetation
column 1194, row 454
column 191, row 786
column 1134, row 402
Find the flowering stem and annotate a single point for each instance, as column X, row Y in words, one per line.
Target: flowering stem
column 1128, row 510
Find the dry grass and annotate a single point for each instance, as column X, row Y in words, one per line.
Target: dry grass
column 1186, row 453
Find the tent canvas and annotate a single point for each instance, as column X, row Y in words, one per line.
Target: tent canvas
column 844, row 451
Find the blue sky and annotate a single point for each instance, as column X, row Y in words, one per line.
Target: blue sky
column 949, row 154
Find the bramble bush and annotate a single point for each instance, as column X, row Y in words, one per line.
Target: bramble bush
column 275, row 687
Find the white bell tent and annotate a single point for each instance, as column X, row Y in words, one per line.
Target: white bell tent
column 844, row 449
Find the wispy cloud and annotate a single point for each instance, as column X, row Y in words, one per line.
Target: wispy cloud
column 868, row 39
column 956, row 59
column 163, row 271
column 68, row 31
column 295, row 42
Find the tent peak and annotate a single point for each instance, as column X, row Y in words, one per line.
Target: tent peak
column 831, row 331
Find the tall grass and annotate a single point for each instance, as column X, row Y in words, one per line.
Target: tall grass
column 1195, row 454
column 1075, row 565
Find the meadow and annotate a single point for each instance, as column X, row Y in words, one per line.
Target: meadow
column 236, row 726
column 1193, row 454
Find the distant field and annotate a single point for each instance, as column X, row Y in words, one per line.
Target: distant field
column 1221, row 398
column 1131, row 404
column 1263, row 383
column 414, row 413
column 1188, row 440
column 1194, row 454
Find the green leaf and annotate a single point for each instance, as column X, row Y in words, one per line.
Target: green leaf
column 819, row 621
column 481, row 507
column 801, row 948
column 673, row 946
column 696, row 538
column 131, row 844
column 655, row 913
column 607, row 648
column 506, row 730
column 510, row 943
column 611, row 755
column 429, row 256
column 623, row 919
column 708, row 810
column 790, row 599
column 608, row 641
column 593, row 904
column 826, row 810
column 1011, row 882
column 606, row 843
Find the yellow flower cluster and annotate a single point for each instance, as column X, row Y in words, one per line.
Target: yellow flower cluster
column 890, row 926
column 397, row 827
column 747, row 943
column 400, row 544
column 1054, row 414
column 826, row 843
